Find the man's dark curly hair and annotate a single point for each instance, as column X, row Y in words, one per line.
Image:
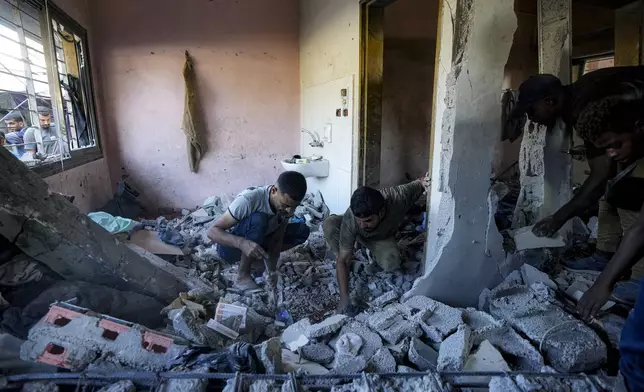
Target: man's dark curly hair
column 611, row 114
column 367, row 201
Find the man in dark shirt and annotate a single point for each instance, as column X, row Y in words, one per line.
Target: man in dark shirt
column 619, row 130
column 544, row 99
column 371, row 220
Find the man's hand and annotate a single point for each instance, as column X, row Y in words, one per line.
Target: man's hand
column 547, row 227
column 593, row 300
column 426, row 180
column 253, row 250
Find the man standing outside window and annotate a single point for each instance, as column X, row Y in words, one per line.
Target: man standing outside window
column 16, row 127
column 43, row 140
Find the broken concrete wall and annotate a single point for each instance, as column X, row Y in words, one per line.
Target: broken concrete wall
column 464, row 246
column 546, row 171
column 246, row 61
column 408, row 85
column 47, row 228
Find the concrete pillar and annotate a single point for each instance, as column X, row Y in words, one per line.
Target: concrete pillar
column 546, row 171
column 464, row 245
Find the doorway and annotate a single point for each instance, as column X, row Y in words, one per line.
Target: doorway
column 397, row 72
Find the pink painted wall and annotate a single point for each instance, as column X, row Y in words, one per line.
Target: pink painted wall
column 246, row 56
column 90, row 183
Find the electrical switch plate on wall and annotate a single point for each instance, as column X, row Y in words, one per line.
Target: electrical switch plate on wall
column 327, row 132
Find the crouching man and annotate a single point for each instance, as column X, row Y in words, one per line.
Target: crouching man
column 256, row 226
column 372, row 219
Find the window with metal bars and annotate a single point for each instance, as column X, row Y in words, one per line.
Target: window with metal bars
column 47, row 106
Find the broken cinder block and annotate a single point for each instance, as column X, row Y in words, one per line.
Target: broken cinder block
column 455, row 349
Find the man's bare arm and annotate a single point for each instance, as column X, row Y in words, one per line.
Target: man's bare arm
column 275, row 246
column 219, row 235
column 601, row 170
column 342, row 271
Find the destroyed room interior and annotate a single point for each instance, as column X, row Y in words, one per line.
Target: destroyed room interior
column 321, row 195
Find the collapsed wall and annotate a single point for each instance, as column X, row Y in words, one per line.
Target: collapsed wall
column 464, row 246
column 49, row 229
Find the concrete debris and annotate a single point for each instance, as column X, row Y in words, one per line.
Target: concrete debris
column 382, row 320
column 292, row 362
column 373, row 382
column 121, row 386
column 401, row 328
column 326, row 327
column 186, row 384
column 348, row 344
column 349, row 364
column 320, row 353
column 186, row 323
column 532, row 275
column 294, row 336
column 405, row 369
column 534, row 384
column 400, row 350
column 476, row 319
column 382, row 362
column 40, row 387
column 454, row 350
column 508, row 341
column 424, row 357
column 443, row 318
column 385, row 299
column 371, row 341
column 486, row 359
column 568, row 344
column 270, row 354
column 524, row 238
column 84, row 337
column 484, row 300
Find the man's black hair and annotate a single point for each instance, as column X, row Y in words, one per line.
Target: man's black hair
column 367, row 201
column 44, row 111
column 611, row 114
column 14, row 116
column 293, row 184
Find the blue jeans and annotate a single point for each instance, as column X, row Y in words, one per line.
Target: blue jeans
column 255, row 228
column 631, row 346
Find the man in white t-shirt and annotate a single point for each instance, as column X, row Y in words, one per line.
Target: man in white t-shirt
column 256, row 226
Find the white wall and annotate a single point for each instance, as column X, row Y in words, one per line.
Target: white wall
column 329, row 62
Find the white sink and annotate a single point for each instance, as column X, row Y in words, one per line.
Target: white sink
column 319, row 168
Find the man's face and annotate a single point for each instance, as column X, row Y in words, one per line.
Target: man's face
column 284, row 204
column 543, row 111
column 14, row 125
column 622, row 147
column 45, row 121
column 369, row 223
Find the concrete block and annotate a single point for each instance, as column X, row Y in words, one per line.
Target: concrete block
column 443, row 318
column 405, row 369
column 454, row 350
column 525, row 239
column 186, row 384
column 294, row 336
column 319, row 353
column 348, row 364
column 400, row 329
column 186, row 323
column 385, row 299
column 400, row 350
column 508, row 341
column 484, row 300
column 292, row 362
column 532, row 275
column 424, row 357
column 382, row 362
column 486, row 359
column 326, row 327
column 567, row 343
column 270, row 354
column 71, row 339
column 384, row 319
column 348, row 344
column 476, row 319
column 121, row 386
column 371, row 341
column 40, row 386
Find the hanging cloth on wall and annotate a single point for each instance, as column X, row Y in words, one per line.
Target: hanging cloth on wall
column 193, row 125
